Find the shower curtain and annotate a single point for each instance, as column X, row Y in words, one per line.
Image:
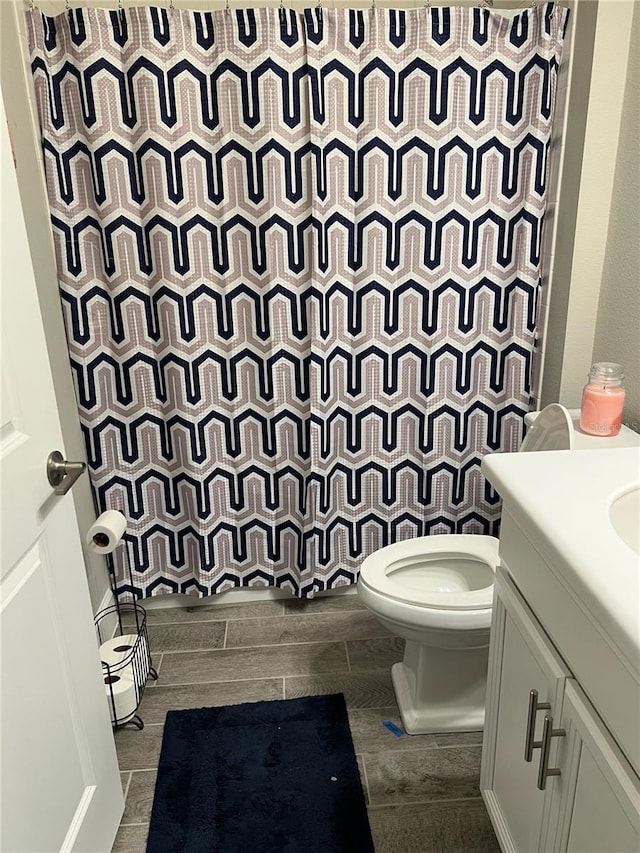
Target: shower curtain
column 299, row 260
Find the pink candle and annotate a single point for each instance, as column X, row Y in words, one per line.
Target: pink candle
column 603, row 400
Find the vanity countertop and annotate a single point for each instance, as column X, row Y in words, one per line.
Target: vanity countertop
column 581, row 580
column 563, row 498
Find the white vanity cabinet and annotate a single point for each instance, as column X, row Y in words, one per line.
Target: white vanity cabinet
column 579, row 794
column 599, row 798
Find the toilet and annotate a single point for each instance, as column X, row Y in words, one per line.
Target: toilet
column 437, row 591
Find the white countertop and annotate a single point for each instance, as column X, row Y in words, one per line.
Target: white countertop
column 562, row 499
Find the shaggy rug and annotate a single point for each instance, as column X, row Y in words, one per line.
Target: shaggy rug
column 263, row 777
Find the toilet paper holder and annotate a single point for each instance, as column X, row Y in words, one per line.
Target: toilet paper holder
column 121, row 629
column 134, row 664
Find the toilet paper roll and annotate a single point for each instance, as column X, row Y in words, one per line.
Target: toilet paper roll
column 114, row 651
column 121, row 695
column 121, row 648
column 104, row 536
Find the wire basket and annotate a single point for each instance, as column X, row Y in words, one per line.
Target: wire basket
column 126, row 660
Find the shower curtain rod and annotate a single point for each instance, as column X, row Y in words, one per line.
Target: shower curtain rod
column 171, row 4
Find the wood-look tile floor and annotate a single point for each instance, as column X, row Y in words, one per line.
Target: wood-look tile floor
column 422, row 791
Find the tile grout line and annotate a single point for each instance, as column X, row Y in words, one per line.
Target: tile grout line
column 346, row 651
column 372, row 753
column 454, row 746
column 341, row 672
column 437, row 801
column 416, row 750
column 226, row 631
column 157, row 665
column 236, row 680
column 366, row 779
column 127, row 786
column 183, row 623
column 144, row 770
column 280, row 643
column 274, row 645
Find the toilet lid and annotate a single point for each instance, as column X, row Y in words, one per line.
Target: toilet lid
column 444, row 572
column 551, row 430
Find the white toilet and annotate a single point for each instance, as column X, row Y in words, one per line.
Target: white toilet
column 437, row 591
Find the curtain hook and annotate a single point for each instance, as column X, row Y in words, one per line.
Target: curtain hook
column 373, row 5
column 172, row 8
column 227, row 8
column 66, row 6
column 427, row 5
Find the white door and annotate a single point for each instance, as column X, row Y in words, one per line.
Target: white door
column 60, row 785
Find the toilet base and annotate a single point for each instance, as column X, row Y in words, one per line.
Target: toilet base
column 441, row 690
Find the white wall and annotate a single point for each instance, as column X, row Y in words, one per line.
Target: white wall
column 587, row 211
column 617, row 334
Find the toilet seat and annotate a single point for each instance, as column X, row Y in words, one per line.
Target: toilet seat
column 439, row 572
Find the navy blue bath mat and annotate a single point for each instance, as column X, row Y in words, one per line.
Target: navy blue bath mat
column 263, row 777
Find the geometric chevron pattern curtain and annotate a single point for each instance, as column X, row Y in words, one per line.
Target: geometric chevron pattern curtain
column 299, row 259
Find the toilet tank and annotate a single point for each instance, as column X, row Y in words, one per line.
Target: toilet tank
column 558, row 428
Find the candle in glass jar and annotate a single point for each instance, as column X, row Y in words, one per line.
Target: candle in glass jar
column 603, row 400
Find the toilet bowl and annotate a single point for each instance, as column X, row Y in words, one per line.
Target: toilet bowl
column 437, row 592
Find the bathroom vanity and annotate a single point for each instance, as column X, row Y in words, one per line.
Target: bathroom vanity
column 561, row 751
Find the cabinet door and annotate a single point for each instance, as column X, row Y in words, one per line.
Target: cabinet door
column 598, row 792
column 521, row 659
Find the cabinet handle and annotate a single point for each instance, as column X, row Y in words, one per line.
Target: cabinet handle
column 544, row 770
column 534, row 706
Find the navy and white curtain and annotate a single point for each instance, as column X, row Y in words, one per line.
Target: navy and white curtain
column 299, row 259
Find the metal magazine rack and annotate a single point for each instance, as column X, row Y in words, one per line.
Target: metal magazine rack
column 125, row 654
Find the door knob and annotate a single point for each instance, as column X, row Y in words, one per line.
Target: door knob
column 61, row 473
